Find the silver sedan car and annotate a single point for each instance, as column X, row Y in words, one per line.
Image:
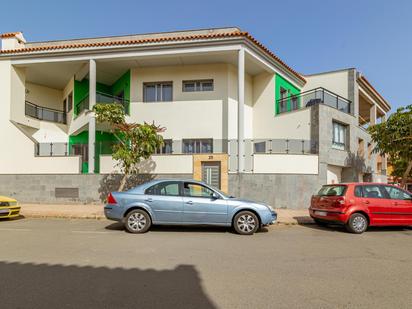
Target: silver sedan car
column 185, row 202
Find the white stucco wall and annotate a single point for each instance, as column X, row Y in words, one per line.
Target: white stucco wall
column 333, row 174
column 44, row 96
column 336, row 82
column 18, row 155
column 168, row 164
column 285, row 164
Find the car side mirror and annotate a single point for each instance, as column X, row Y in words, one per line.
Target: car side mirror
column 214, row 196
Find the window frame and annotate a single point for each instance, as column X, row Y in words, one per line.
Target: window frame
column 156, row 85
column 338, row 145
column 200, row 82
column 179, row 183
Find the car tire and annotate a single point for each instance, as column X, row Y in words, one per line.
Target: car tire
column 246, row 223
column 320, row 222
column 357, row 223
column 137, row 221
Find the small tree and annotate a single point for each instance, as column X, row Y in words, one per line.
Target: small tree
column 136, row 142
column 394, row 137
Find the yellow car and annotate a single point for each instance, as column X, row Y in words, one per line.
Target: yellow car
column 8, row 208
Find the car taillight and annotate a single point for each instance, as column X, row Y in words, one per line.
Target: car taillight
column 340, row 201
column 111, row 199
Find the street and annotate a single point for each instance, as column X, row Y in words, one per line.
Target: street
column 58, row 263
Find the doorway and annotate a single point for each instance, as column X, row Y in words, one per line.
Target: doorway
column 211, row 173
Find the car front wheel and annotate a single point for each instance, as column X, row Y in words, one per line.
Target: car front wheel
column 137, row 221
column 357, row 223
column 246, row 223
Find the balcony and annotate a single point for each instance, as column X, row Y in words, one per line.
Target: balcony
column 102, row 98
column 44, row 113
column 313, row 97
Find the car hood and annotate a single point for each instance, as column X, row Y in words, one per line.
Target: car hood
column 6, row 199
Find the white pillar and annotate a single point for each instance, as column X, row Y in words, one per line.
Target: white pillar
column 92, row 119
column 241, row 110
column 372, row 118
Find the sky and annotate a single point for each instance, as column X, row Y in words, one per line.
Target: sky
column 374, row 36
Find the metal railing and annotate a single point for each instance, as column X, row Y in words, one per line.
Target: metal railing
column 102, row 98
column 44, row 113
column 312, row 97
column 51, row 149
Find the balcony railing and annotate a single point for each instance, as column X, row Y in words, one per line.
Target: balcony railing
column 51, row 149
column 44, row 113
column 313, row 97
column 102, row 98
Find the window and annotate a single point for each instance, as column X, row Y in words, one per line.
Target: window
column 197, row 85
column 260, row 147
column 332, row 190
column 166, row 148
column 397, row 194
column 170, row 188
column 198, row 145
column 283, row 103
column 339, row 136
column 196, row 190
column 294, row 104
column 158, row 92
column 372, row 191
column 70, row 102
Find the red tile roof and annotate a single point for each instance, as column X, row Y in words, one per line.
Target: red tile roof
column 152, row 40
column 9, row 34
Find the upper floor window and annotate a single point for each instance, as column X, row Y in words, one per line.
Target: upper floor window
column 260, row 147
column 283, row 103
column 339, row 136
column 198, row 145
column 158, row 92
column 197, row 85
column 166, row 148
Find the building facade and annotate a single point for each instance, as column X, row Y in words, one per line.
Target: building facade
column 236, row 116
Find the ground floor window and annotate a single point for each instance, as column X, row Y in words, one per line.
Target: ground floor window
column 198, row 145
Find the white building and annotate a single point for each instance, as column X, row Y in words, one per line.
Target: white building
column 236, row 115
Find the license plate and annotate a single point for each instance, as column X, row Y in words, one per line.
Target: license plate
column 4, row 211
column 322, row 213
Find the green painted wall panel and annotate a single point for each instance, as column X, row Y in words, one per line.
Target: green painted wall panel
column 292, row 90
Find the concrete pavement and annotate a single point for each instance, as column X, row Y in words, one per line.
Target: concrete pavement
column 57, row 263
column 79, row 211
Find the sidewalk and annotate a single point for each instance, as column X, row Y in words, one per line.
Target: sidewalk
column 79, row 211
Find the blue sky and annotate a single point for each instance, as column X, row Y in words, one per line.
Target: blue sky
column 310, row 36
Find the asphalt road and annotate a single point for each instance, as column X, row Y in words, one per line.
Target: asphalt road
column 95, row 264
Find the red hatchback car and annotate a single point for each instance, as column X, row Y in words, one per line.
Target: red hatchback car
column 359, row 205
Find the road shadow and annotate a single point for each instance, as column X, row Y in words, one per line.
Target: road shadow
column 304, row 220
column 117, row 226
column 56, row 286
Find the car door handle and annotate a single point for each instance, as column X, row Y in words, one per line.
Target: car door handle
column 395, row 203
column 149, row 200
column 189, row 202
column 367, row 202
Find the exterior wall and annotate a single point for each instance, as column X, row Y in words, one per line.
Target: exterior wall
column 334, row 174
column 278, row 190
column 18, row 155
column 336, row 82
column 285, row 164
column 168, row 164
column 44, row 96
column 190, row 114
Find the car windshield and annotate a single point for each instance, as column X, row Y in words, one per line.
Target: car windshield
column 332, row 190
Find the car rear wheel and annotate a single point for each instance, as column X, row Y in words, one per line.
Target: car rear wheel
column 138, row 221
column 357, row 223
column 246, row 223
